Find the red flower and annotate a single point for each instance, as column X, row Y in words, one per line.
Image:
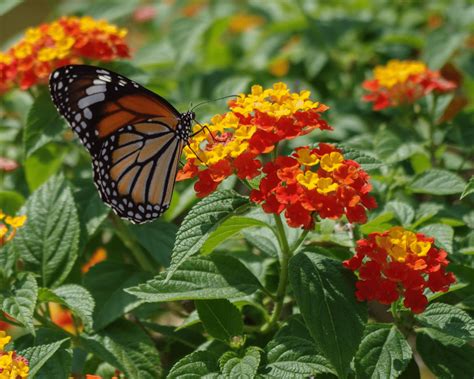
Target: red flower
column 399, row 263
column 247, row 166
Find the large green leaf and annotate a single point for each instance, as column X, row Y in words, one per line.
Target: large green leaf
column 194, row 366
column 43, row 164
column 43, row 124
column 38, row 355
column 445, row 357
column 11, row 202
column 200, row 278
column 437, row 182
column 245, row 365
column 469, row 188
column 404, row 212
column 443, row 235
column 49, row 240
column 449, row 320
column 127, row 347
column 106, row 282
column 367, row 161
column 383, row 353
column 293, row 353
column 221, row 318
column 324, row 291
column 20, row 301
column 203, row 219
column 79, row 301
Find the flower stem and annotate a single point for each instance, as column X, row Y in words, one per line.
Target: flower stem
column 286, row 253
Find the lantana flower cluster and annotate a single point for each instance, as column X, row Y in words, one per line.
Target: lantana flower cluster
column 68, row 40
column 253, row 126
column 403, row 82
column 9, row 226
column 314, row 180
column 12, row 365
column 399, row 263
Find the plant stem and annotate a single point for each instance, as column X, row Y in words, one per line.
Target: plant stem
column 282, row 284
column 124, row 234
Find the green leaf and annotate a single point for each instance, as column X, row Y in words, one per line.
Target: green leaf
column 79, row 301
column 127, row 347
column 227, row 229
column 293, row 353
column 49, row 240
column 58, row 366
column 201, row 220
column 425, row 212
column 377, row 224
column 44, row 163
column 383, row 353
column 200, row 278
column 194, row 366
column 243, row 366
column 442, row 233
column 38, row 355
column 8, row 5
column 43, row 124
column 106, row 282
column 437, row 182
column 468, row 189
column 367, row 161
column 445, row 358
column 324, row 291
column 441, row 44
column 157, row 238
column 11, row 202
column 221, row 319
column 21, row 300
column 403, row 212
column 449, row 320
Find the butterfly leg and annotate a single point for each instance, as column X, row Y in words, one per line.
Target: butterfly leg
column 202, row 128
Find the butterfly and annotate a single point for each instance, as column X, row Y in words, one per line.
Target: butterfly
column 134, row 136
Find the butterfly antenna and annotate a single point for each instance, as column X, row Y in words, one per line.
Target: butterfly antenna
column 210, row 101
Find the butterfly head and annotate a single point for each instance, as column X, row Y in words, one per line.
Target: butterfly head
column 184, row 125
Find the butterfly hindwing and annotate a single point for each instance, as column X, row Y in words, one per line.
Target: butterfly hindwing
column 134, row 136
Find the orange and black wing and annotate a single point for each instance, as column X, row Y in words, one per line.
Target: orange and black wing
column 130, row 132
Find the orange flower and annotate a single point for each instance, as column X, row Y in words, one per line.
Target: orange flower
column 65, row 41
column 403, row 82
column 62, row 317
column 98, row 256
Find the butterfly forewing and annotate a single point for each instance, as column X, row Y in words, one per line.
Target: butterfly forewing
column 132, row 134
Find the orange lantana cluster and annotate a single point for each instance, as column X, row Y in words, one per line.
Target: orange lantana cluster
column 65, row 41
column 403, row 82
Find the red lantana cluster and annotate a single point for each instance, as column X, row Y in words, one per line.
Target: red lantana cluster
column 399, row 263
column 253, row 126
column 403, row 82
column 68, row 40
column 314, row 180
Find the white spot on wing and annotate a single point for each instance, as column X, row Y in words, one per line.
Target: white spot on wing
column 87, row 113
column 89, row 100
column 95, row 89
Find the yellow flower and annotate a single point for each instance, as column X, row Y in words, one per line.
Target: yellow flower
column 325, row 185
column 309, row 179
column 15, row 222
column 4, row 339
column 2, row 215
column 22, row 50
column 396, row 72
column 32, row 35
column 398, row 242
column 56, row 31
column 304, row 157
column 332, row 161
column 3, row 232
column 420, row 248
column 241, row 22
column 5, row 58
column 47, row 54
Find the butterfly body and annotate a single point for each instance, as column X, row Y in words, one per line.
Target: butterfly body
column 134, row 136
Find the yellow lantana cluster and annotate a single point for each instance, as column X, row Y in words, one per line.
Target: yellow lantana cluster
column 9, row 226
column 399, row 243
column 397, row 72
column 12, row 365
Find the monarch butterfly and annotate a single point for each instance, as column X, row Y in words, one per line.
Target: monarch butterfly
column 135, row 137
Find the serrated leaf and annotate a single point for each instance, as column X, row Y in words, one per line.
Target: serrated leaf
column 221, row 319
column 324, row 291
column 367, row 161
column 385, row 144
column 468, row 189
column 378, row 224
column 21, row 300
column 194, row 366
column 59, row 365
column 263, row 239
column 383, row 353
column 200, row 278
column 201, row 220
column 449, row 320
column 437, row 182
column 157, row 238
column 38, row 355
column 49, row 240
column 425, row 212
column 79, row 301
column 106, row 282
column 43, row 124
column 227, row 229
column 126, row 346
column 445, row 358
column 442, row 233
column 243, row 366
column 293, row 353
column 403, row 212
